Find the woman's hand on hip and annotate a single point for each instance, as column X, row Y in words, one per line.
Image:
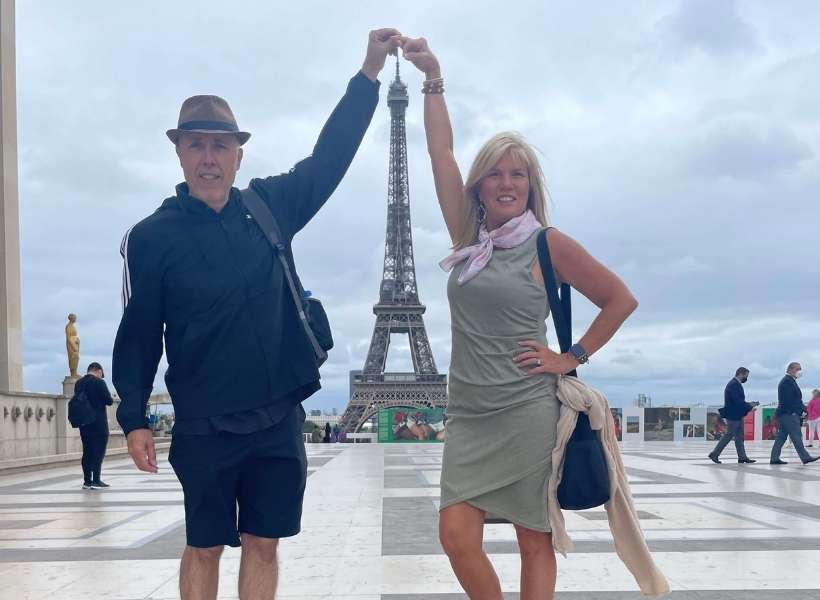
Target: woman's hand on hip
column 538, row 359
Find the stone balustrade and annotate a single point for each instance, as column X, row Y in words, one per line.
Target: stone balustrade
column 36, row 425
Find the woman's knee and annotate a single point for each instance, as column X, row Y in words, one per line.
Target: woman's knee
column 460, row 531
column 461, row 528
column 456, row 542
column 533, row 543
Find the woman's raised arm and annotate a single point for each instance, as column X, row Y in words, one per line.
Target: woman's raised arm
column 446, row 175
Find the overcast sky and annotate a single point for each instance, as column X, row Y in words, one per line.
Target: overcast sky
column 680, row 141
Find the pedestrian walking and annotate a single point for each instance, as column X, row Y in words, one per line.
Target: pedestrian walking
column 813, row 416
column 735, row 408
column 790, row 409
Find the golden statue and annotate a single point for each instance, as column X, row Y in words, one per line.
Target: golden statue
column 72, row 346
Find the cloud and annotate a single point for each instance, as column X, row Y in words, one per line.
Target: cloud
column 745, row 149
column 679, row 139
column 711, row 27
column 681, row 362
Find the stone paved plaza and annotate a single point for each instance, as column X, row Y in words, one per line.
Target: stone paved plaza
column 719, row 532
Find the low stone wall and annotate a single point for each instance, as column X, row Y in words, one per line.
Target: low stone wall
column 37, row 463
column 36, row 425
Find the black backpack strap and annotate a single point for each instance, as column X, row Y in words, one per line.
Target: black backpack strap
column 560, row 305
column 263, row 216
column 267, row 223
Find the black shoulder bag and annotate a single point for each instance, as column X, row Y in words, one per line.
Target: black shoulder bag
column 585, row 476
column 311, row 312
column 80, row 411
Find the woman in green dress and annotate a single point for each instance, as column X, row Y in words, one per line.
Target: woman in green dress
column 502, row 405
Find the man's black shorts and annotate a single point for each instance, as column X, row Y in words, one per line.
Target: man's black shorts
column 263, row 474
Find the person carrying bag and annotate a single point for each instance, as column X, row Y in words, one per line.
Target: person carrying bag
column 311, row 313
column 585, row 477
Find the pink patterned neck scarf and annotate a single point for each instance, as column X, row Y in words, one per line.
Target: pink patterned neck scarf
column 511, row 234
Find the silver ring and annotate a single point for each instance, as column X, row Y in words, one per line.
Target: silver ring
column 538, row 362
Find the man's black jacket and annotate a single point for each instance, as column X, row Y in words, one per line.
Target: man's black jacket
column 789, row 397
column 735, row 406
column 232, row 338
column 99, row 397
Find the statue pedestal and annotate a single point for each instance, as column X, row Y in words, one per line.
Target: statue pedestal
column 68, row 386
column 64, row 429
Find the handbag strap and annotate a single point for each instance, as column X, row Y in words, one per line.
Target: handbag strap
column 560, row 304
column 270, row 228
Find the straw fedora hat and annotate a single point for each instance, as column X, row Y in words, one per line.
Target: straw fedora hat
column 206, row 114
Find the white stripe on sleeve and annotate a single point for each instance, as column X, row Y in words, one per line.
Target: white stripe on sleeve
column 126, row 274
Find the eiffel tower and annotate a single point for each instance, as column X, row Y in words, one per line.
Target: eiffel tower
column 399, row 309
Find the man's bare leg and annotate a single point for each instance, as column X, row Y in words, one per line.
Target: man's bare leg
column 258, row 568
column 199, row 573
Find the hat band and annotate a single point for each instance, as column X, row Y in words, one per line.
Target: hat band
column 212, row 125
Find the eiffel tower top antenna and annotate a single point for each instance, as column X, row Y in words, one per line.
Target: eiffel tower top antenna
column 397, row 99
column 398, row 310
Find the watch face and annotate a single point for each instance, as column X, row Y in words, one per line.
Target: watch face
column 579, row 353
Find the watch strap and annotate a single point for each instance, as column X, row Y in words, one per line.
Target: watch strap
column 580, row 353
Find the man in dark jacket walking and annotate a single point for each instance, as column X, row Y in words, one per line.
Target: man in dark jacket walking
column 201, row 273
column 94, row 436
column 734, row 409
column 790, row 408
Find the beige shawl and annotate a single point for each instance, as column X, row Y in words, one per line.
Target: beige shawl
column 630, row 544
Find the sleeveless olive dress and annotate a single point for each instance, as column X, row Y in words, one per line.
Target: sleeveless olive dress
column 501, row 424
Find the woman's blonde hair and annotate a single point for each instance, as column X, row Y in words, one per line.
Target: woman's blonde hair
column 486, row 160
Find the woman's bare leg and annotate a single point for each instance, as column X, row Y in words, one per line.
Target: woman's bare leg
column 461, row 532
column 538, row 567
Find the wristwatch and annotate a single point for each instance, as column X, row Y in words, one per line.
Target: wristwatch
column 577, row 350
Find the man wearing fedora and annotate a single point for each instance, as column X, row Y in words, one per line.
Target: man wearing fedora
column 201, row 273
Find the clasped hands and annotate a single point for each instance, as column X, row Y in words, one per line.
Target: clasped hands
column 382, row 42
column 538, row 359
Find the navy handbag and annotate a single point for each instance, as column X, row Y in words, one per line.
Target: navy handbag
column 585, row 476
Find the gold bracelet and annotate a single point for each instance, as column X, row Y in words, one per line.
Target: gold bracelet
column 433, row 86
column 436, row 87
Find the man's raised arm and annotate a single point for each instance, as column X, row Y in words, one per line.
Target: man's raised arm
column 297, row 196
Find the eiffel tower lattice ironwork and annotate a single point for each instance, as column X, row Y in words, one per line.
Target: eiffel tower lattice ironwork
column 399, row 309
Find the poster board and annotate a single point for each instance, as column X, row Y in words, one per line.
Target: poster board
column 768, row 427
column 632, row 430
column 749, row 426
column 618, row 421
column 715, row 425
column 411, row 425
column 659, row 422
column 693, row 428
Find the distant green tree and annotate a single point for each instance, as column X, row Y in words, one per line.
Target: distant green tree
column 309, row 426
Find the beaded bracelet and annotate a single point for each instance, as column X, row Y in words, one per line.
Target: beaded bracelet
column 433, row 86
